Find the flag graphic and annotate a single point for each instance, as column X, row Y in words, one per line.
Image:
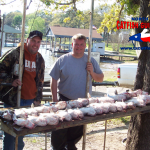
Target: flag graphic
column 141, row 37
column 94, row 27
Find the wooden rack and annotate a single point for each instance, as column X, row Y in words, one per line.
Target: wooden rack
column 17, row 131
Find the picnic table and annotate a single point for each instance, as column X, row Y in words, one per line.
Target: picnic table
column 17, row 131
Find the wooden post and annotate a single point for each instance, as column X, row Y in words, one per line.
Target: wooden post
column 45, row 141
column 69, row 44
column 16, row 143
column 88, row 74
column 89, row 46
column 54, row 43
column 46, row 41
column 2, row 35
column 105, row 135
column 21, row 53
column 51, row 43
column 59, row 42
column 53, row 49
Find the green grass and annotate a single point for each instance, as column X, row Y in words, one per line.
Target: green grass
column 118, row 121
column 109, row 47
column 127, row 52
column 34, row 141
column 125, row 119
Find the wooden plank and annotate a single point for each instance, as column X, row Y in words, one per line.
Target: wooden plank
column 47, row 94
column 1, row 104
column 46, row 89
column 47, row 99
column 105, row 83
column 108, row 53
column 16, row 130
column 16, row 143
column 6, row 128
column 120, row 55
column 46, row 84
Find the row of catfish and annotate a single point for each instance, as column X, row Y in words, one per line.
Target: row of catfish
column 76, row 109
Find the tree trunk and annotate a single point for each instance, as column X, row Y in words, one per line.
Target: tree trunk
column 138, row 137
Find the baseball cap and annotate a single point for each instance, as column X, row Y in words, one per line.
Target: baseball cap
column 32, row 34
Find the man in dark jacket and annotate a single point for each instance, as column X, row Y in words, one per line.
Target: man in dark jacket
column 32, row 80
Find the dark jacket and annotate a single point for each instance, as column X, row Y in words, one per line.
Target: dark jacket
column 7, row 63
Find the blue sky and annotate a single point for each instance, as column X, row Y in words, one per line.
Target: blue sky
column 18, row 5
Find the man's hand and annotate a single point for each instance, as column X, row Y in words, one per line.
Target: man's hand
column 16, row 83
column 95, row 76
column 89, row 67
column 37, row 103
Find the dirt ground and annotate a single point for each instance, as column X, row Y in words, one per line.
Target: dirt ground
column 94, row 138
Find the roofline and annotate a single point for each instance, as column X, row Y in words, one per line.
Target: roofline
column 66, row 36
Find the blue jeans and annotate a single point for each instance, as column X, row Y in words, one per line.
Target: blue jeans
column 9, row 140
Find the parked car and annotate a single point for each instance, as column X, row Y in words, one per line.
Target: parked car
column 126, row 74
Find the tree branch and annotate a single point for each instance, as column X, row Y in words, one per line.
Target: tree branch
column 73, row 2
column 119, row 15
column 8, row 3
column 64, row 3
